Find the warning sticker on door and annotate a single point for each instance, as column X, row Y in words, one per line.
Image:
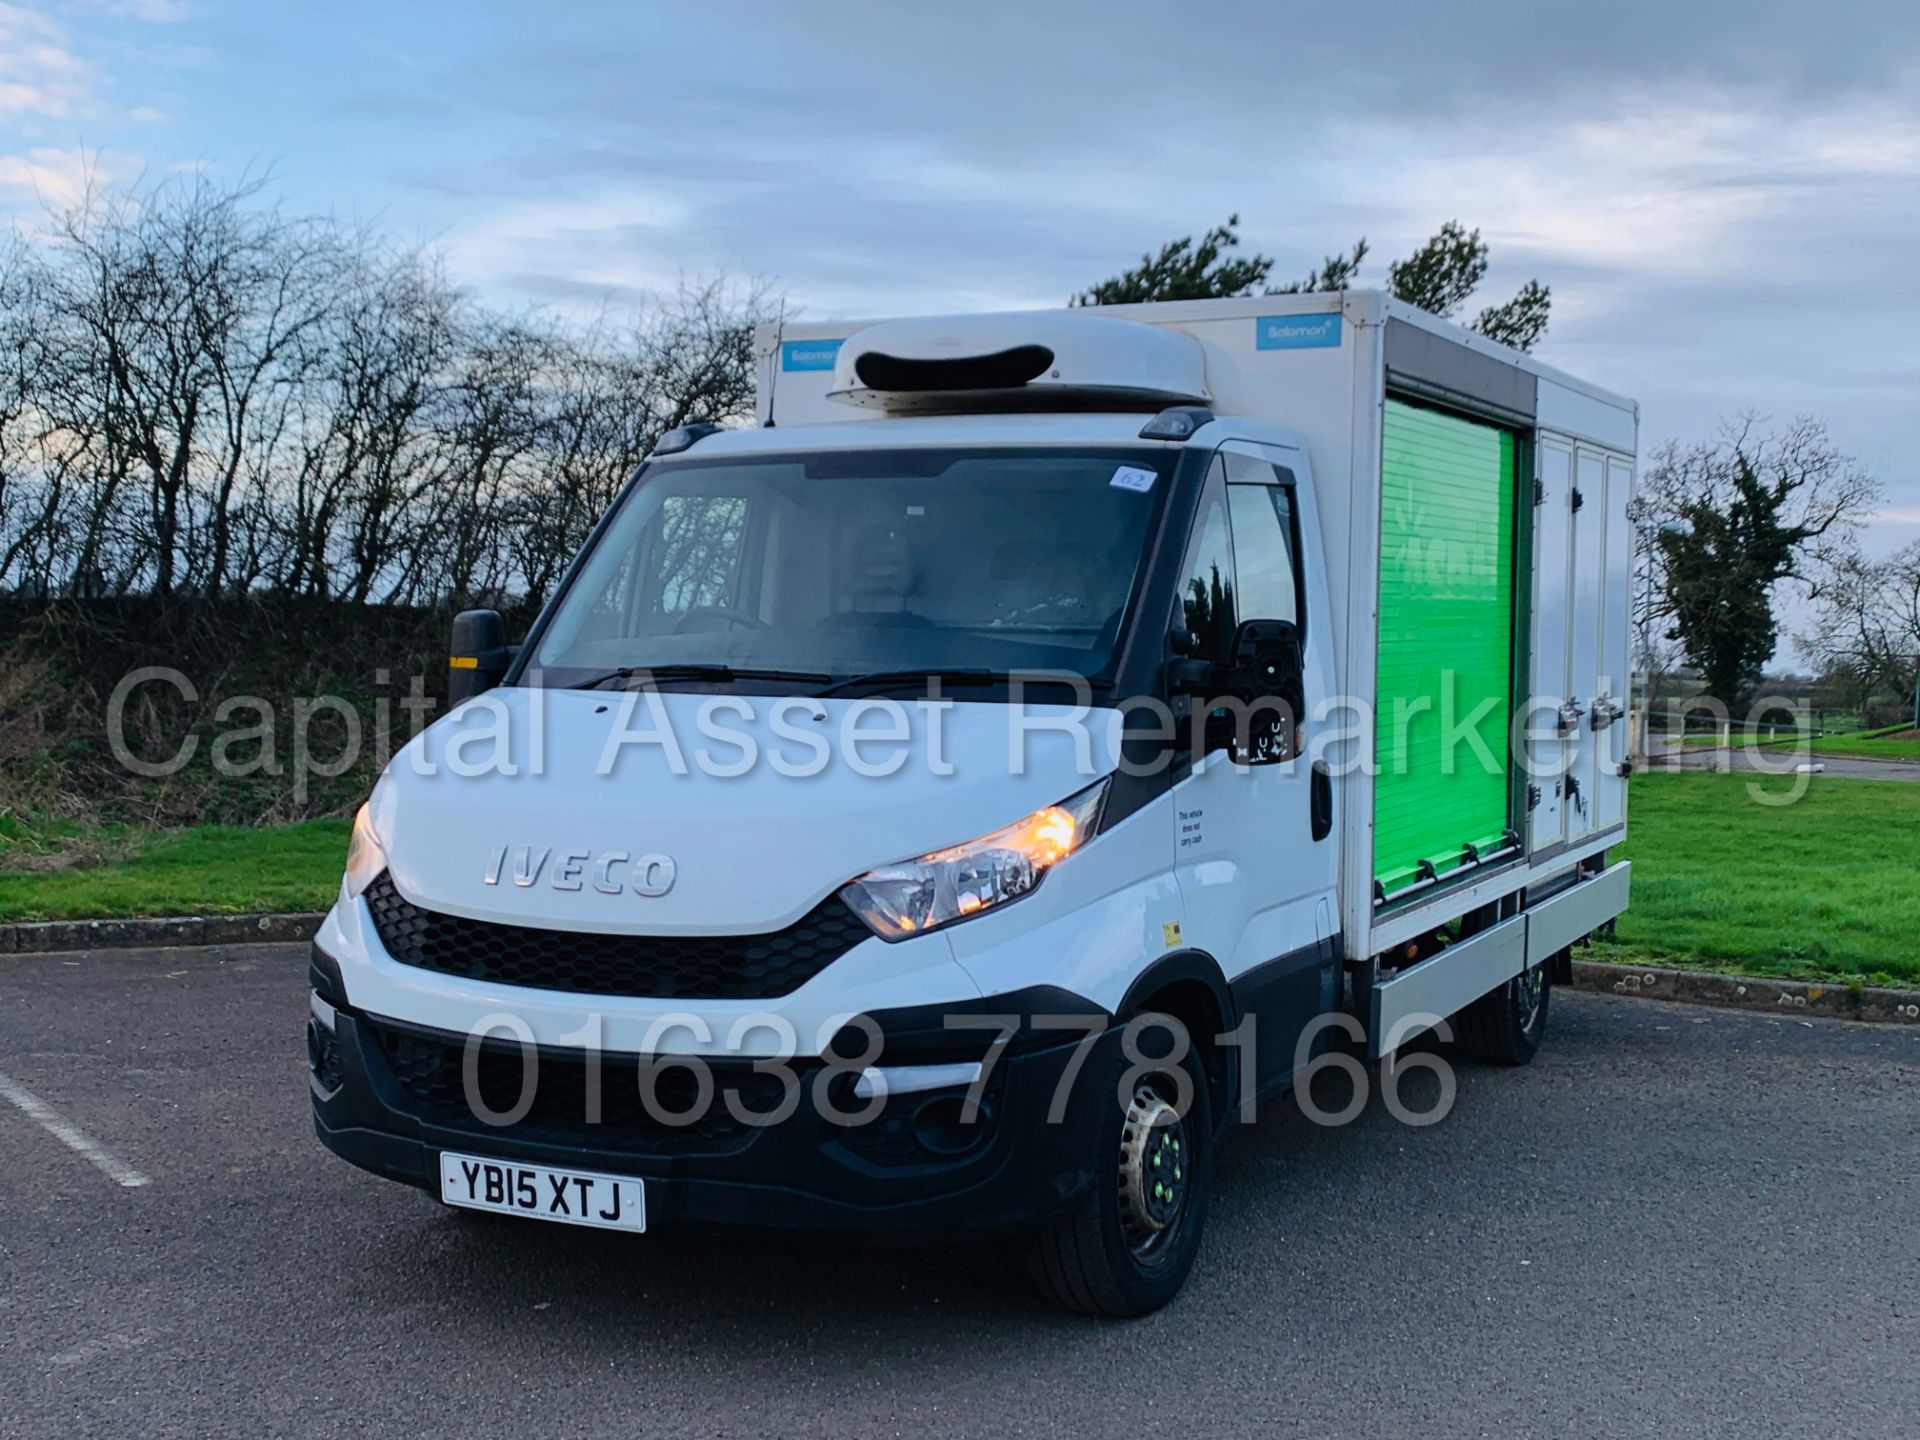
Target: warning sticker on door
column 1132, row 477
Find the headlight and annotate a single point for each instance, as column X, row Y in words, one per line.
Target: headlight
column 365, row 858
column 947, row 885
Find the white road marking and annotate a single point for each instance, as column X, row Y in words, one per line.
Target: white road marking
column 70, row 1135
column 100, row 1347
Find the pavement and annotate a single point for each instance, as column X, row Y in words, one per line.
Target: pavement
column 1677, row 1222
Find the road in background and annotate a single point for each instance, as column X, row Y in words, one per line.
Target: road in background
column 1774, row 762
column 1677, row 1222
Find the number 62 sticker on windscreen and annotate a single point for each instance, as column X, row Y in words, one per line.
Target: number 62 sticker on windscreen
column 1132, row 477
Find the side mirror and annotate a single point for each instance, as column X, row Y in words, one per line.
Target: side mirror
column 478, row 655
column 1266, row 656
column 1185, row 674
column 1269, row 672
column 1266, row 660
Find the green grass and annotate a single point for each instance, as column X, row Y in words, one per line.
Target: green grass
column 61, row 873
column 1868, row 744
column 1826, row 888
column 1878, row 746
column 1821, row 889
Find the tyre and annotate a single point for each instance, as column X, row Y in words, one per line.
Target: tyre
column 1506, row 1026
column 1127, row 1245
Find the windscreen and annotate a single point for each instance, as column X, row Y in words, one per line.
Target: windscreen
column 847, row 563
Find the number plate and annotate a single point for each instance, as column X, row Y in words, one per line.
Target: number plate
column 572, row 1197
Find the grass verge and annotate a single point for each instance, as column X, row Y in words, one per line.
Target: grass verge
column 1899, row 743
column 203, row 870
column 1902, row 744
column 1821, row 889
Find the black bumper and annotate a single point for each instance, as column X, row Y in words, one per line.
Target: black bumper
column 391, row 1098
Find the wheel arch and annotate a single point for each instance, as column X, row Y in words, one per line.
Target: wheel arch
column 1190, row 986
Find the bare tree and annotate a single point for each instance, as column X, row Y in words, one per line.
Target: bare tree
column 595, row 430
column 260, row 290
column 180, row 315
column 370, row 450
column 201, row 395
column 1868, row 626
column 18, row 443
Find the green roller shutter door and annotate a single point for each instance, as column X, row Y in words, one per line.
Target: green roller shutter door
column 1446, row 641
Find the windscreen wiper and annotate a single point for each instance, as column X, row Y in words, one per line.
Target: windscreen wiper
column 721, row 674
column 974, row 676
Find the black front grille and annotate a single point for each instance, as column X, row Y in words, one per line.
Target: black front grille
column 429, row 1070
column 666, row 967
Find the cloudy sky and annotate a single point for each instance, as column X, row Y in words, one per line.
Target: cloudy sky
column 1723, row 194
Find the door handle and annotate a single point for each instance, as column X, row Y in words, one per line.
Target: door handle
column 1321, row 796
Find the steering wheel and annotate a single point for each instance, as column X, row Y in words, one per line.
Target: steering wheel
column 745, row 619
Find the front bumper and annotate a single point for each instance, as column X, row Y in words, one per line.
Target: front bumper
column 390, row 1098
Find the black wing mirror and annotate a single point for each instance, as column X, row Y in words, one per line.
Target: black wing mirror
column 1269, row 675
column 1267, row 657
column 478, row 655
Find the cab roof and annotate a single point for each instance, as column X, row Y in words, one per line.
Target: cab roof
column 930, row 430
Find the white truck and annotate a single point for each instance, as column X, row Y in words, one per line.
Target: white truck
column 947, row 806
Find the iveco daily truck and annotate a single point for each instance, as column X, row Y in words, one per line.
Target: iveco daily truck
column 946, row 806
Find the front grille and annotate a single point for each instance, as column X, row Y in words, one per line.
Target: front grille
column 666, row 967
column 428, row 1069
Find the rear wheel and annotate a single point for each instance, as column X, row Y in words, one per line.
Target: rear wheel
column 1126, row 1246
column 1506, row 1026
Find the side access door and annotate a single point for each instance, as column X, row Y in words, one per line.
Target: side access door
column 1582, row 579
column 1255, row 848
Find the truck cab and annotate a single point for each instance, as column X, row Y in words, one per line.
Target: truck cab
column 935, row 810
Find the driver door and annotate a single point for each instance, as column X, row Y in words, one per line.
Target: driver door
column 1254, row 854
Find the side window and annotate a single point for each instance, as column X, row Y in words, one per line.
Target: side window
column 1207, row 605
column 1263, row 543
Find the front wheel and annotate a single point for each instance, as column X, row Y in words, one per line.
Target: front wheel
column 1126, row 1247
column 1506, row 1026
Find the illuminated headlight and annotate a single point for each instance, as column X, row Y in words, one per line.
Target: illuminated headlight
column 365, row 858
column 947, row 885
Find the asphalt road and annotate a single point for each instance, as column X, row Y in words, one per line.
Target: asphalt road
column 1778, row 765
column 1678, row 1222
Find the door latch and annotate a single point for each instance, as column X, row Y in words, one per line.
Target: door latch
column 1606, row 711
column 1569, row 716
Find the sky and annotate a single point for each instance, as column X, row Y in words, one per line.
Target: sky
column 1724, row 195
